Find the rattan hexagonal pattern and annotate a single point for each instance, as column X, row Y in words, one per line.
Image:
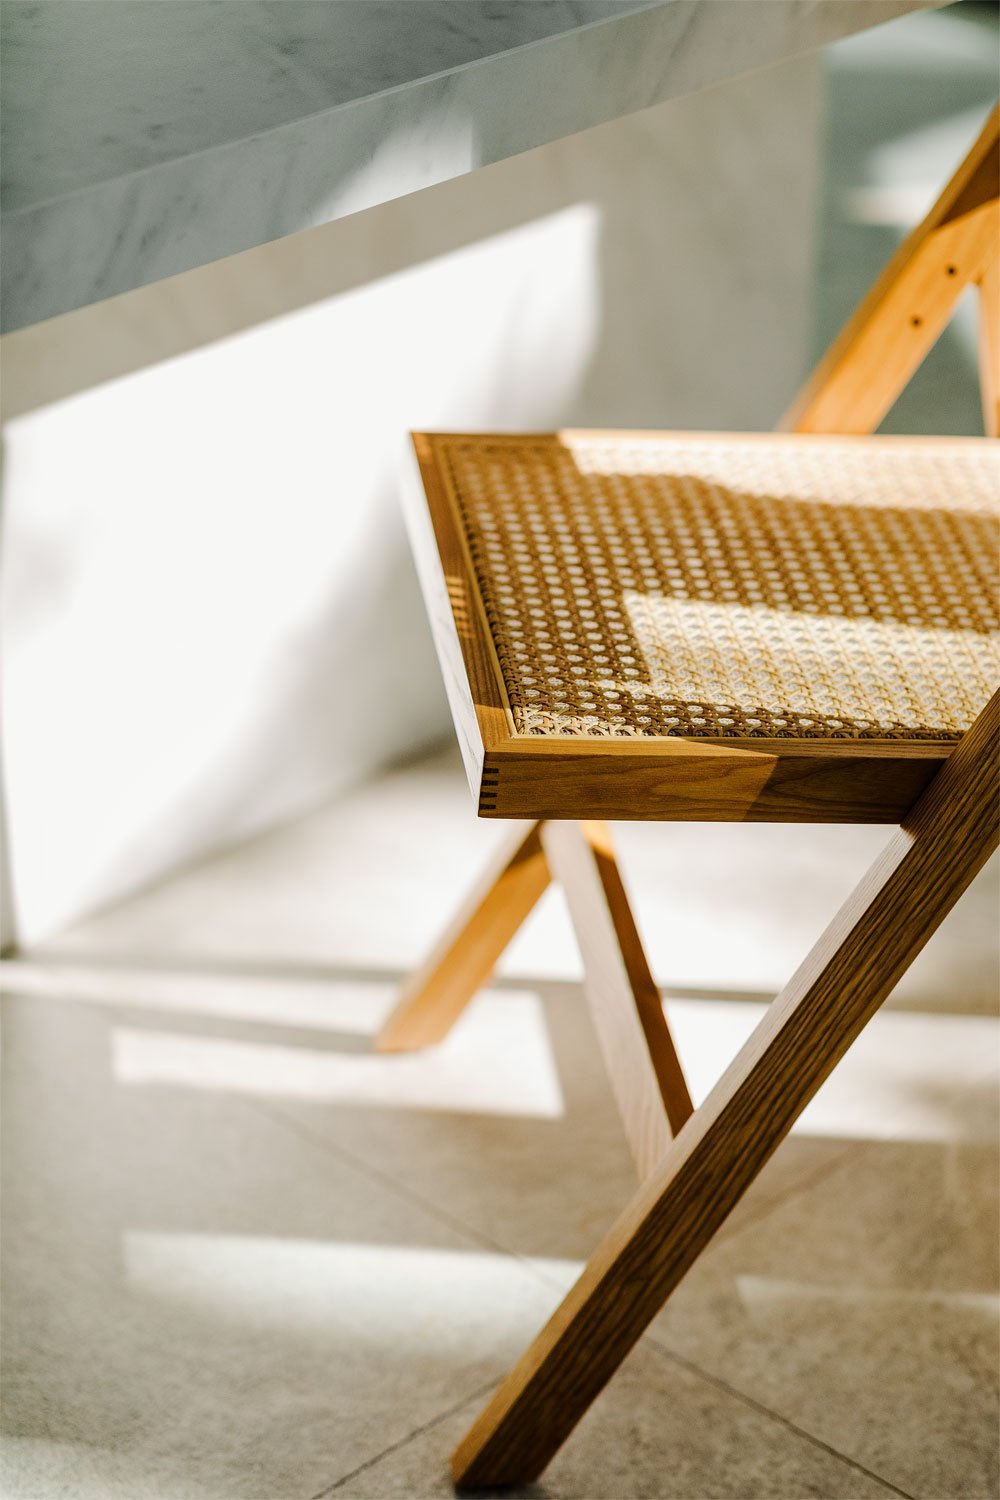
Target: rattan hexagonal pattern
column 648, row 584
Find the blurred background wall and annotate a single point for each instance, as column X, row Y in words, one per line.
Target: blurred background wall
column 210, row 619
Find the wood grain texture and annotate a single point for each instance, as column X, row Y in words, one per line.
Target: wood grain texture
column 906, row 310
column 468, row 664
column 467, row 952
column 666, row 780
column 646, row 1076
column 944, row 841
column 845, row 788
column 836, row 781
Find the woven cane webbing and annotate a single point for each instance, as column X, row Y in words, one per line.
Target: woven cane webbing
column 774, row 588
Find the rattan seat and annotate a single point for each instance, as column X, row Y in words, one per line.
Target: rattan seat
column 673, row 626
column 653, row 584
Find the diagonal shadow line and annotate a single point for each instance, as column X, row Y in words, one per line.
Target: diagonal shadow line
column 194, row 966
column 67, row 973
column 247, row 1029
column 40, row 971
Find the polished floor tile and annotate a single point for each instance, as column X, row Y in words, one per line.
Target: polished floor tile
column 248, row 1257
column 865, row 1310
column 201, row 1302
column 659, row 1432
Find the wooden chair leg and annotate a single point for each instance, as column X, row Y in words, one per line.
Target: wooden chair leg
column 467, row 953
column 877, row 351
column 639, row 1053
column 943, row 842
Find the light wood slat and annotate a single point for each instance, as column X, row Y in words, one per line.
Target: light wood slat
column 460, row 635
column 639, row 1053
column 906, row 310
column 467, row 953
column 913, row 312
column 989, row 345
column 909, row 890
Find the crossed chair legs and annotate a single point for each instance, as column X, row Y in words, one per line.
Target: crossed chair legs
column 695, row 1165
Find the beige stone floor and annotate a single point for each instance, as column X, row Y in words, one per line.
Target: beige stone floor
column 245, row 1257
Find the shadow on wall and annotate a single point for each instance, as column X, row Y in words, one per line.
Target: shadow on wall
column 211, row 615
column 211, row 620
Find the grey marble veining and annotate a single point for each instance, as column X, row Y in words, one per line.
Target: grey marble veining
column 144, row 137
column 99, row 90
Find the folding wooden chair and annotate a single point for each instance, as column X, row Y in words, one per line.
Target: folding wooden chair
column 692, row 626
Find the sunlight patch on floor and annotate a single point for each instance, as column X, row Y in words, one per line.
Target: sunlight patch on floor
column 502, row 1066
column 908, row 1077
column 373, row 1293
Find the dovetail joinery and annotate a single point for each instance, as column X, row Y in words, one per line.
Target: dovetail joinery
column 489, row 789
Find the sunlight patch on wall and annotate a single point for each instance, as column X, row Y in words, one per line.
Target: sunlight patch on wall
column 210, row 618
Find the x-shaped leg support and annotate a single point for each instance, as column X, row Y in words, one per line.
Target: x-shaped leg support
column 693, row 1183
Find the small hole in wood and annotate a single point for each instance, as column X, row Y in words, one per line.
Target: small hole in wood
column 952, row 270
column 916, row 322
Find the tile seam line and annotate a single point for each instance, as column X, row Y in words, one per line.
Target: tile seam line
column 399, row 1189
column 664, row 1350
column 649, row 1338
column 392, row 1184
column 812, row 1180
column 732, row 1393
column 476, row 1395
column 330, row 110
column 469, row 1231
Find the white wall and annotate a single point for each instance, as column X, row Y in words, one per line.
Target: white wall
column 210, row 619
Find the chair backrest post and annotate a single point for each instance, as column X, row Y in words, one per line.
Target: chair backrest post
column 876, row 353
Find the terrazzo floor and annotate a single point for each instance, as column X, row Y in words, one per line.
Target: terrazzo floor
column 247, row 1259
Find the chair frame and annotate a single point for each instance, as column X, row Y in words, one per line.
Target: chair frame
column 695, row 1164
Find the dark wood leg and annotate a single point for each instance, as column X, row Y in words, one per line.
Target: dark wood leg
column 943, row 842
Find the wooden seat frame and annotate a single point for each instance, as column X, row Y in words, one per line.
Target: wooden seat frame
column 694, row 1165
